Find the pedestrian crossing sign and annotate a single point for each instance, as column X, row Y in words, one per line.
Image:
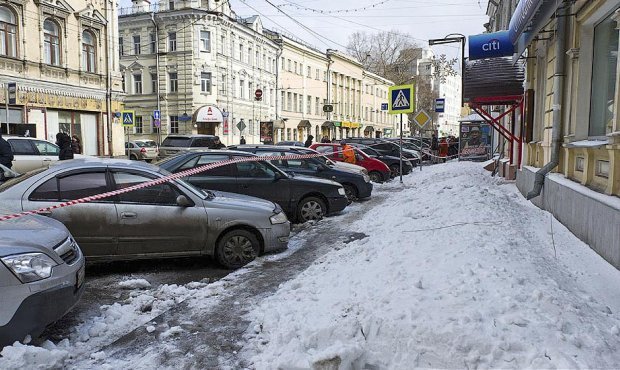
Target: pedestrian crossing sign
column 402, row 99
column 128, row 118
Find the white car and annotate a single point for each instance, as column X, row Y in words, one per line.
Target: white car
column 31, row 153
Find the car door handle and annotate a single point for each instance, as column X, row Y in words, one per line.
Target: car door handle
column 45, row 213
column 47, row 159
column 127, row 215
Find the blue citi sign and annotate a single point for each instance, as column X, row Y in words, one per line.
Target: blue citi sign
column 490, row 45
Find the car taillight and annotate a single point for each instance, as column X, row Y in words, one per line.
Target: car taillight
column 143, row 150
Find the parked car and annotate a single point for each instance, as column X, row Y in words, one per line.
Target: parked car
column 356, row 184
column 290, row 143
column 31, row 153
column 387, row 148
column 337, row 165
column 303, row 198
column 41, row 275
column 392, row 162
column 167, row 220
column 413, row 144
column 174, row 144
column 141, row 150
column 377, row 170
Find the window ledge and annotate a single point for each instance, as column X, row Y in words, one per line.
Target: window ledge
column 587, row 144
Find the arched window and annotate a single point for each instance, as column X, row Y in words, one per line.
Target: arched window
column 8, row 32
column 51, row 33
column 88, row 51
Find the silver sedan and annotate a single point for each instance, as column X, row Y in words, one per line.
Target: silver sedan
column 167, row 220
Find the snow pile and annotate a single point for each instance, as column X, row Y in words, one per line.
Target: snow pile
column 458, row 270
column 45, row 357
column 134, row 284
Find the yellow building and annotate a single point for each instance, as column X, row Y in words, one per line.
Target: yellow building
column 58, row 71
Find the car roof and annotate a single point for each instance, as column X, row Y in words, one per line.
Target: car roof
column 142, row 140
column 102, row 163
column 189, row 136
column 215, row 151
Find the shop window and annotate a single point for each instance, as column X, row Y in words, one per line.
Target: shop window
column 604, row 76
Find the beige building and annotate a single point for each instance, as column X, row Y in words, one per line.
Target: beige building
column 58, row 60
column 200, row 65
column 376, row 122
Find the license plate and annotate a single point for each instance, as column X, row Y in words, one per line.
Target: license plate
column 79, row 280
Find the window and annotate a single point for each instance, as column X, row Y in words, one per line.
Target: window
column 82, row 185
column 222, row 171
column 317, row 104
column 241, row 52
column 8, row 32
column 234, row 86
column 604, row 77
column 289, row 65
column 137, row 83
column 301, row 103
column 136, row 44
column 51, row 32
column 289, row 101
column 174, row 124
column 309, row 105
column 309, row 69
column 294, row 106
column 324, row 76
column 302, row 163
column 163, row 194
column 223, row 44
column 205, row 41
column 171, row 5
column 121, row 48
column 318, row 74
column 242, row 89
column 47, row 191
column 254, row 170
column 250, row 90
column 137, row 125
column 295, row 67
column 153, row 43
column 45, row 148
column 257, row 59
column 223, row 85
column 172, row 41
column 250, row 56
column 154, row 83
column 22, row 147
column 283, row 99
column 174, row 81
column 205, row 82
column 88, row 51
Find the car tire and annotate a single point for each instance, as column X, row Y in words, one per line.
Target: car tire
column 133, row 157
column 351, row 192
column 237, row 248
column 311, row 208
column 395, row 170
column 376, row 176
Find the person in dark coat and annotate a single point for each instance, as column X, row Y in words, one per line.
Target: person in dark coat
column 325, row 139
column 242, row 141
column 217, row 144
column 76, row 145
column 6, row 153
column 308, row 141
column 64, row 143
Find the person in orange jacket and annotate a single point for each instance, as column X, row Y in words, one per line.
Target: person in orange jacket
column 443, row 148
column 347, row 152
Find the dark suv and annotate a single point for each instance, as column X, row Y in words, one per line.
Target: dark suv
column 386, row 147
column 302, row 198
column 392, row 162
column 356, row 184
column 174, row 144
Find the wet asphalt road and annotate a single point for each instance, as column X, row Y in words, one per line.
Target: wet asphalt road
column 211, row 338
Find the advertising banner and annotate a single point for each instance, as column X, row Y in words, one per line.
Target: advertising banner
column 266, row 132
column 475, row 142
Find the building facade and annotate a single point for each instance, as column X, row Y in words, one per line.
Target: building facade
column 450, row 90
column 59, row 72
column 205, row 69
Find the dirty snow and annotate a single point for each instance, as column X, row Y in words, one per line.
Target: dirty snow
column 458, row 270
column 134, row 284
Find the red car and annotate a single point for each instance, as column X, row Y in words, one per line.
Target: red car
column 377, row 170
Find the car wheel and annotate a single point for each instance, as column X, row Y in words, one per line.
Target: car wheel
column 311, row 208
column 395, row 170
column 375, row 176
column 351, row 192
column 133, row 157
column 237, row 248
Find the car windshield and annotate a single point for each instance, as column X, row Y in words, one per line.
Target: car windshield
column 150, row 144
column 140, row 144
column 16, row 180
column 176, row 142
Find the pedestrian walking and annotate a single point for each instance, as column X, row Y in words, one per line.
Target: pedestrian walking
column 6, row 153
column 76, row 145
column 434, row 148
column 308, row 141
column 64, row 143
column 242, row 141
column 325, row 139
column 348, row 153
column 443, row 149
column 217, row 144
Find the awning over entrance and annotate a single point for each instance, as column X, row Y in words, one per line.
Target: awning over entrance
column 208, row 113
column 492, row 78
column 369, row 129
column 304, row 123
column 328, row 124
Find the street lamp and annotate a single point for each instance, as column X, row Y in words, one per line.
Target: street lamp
column 449, row 39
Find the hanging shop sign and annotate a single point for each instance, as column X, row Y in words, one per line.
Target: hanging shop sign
column 490, row 45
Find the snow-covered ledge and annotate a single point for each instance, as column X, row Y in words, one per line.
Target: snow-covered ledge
column 587, row 144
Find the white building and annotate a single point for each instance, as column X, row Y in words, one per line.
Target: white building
column 448, row 122
column 200, row 65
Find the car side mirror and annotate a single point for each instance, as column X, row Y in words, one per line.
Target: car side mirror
column 279, row 176
column 182, row 201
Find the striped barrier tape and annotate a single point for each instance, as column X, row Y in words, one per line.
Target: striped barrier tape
column 159, row 181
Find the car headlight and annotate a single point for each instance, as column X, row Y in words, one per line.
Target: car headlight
column 341, row 191
column 278, row 218
column 29, row 267
column 366, row 177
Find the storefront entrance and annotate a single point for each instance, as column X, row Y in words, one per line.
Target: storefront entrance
column 208, row 119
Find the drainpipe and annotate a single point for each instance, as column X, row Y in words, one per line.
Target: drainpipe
column 156, row 27
column 558, row 86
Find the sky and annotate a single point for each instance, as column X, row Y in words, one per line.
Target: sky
column 422, row 19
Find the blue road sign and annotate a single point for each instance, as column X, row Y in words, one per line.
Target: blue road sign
column 384, row 106
column 401, row 99
column 156, row 115
column 440, row 105
column 128, row 118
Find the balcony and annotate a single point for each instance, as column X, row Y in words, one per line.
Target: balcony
column 149, row 8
